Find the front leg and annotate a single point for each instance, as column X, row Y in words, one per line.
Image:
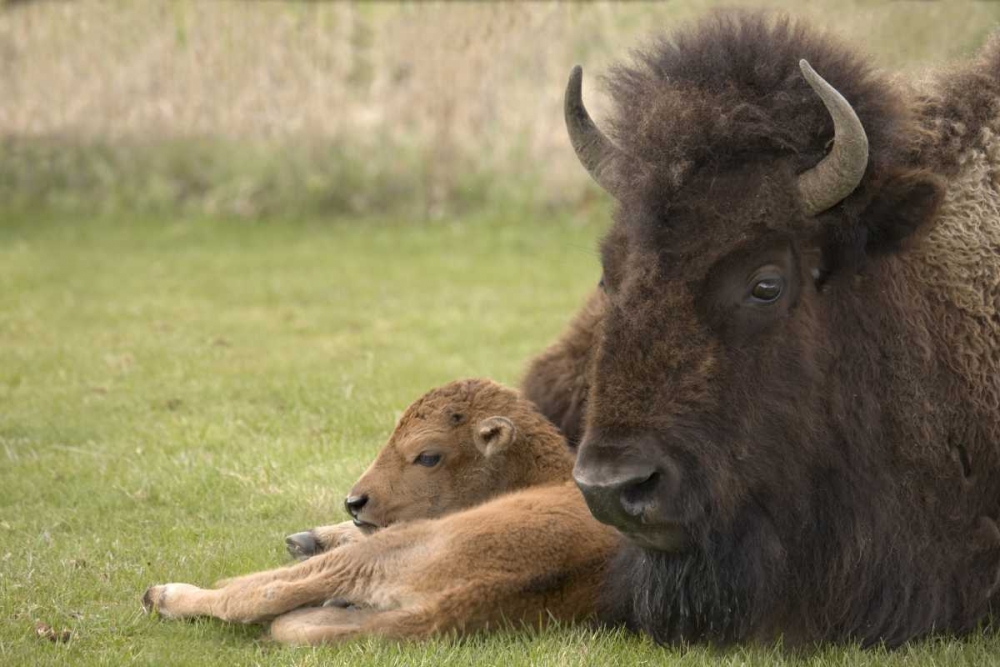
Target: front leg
column 264, row 595
column 179, row 600
column 248, row 602
column 311, row 542
column 366, row 572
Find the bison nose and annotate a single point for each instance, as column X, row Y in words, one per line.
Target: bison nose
column 619, row 500
column 621, row 485
column 355, row 503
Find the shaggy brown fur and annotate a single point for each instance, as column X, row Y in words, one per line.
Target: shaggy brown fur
column 829, row 460
column 557, row 380
column 525, row 557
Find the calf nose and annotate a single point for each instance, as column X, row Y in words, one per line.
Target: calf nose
column 355, row 503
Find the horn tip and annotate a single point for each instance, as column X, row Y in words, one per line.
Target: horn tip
column 574, row 89
column 806, row 67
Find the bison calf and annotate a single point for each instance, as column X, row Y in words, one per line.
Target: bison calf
column 452, row 449
column 522, row 557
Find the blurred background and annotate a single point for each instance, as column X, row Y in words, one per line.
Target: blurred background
column 422, row 110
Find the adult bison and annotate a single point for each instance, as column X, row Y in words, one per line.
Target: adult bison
column 788, row 383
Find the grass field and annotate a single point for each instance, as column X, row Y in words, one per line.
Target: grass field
column 175, row 397
column 237, row 239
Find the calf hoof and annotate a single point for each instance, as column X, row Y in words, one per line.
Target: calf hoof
column 340, row 603
column 302, row 545
column 149, row 599
column 163, row 599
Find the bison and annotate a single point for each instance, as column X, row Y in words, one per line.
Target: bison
column 512, row 541
column 787, row 384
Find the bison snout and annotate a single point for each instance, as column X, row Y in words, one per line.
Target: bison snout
column 623, row 490
column 619, row 500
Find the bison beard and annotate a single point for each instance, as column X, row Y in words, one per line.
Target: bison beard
column 750, row 583
column 675, row 597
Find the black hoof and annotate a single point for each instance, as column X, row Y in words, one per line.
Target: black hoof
column 302, row 545
column 147, row 600
column 340, row 603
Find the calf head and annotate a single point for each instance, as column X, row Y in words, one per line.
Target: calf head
column 454, row 447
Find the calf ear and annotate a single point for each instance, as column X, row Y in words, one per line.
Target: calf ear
column 903, row 204
column 494, row 435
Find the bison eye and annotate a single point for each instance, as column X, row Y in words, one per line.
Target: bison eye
column 767, row 290
column 427, row 460
column 602, row 285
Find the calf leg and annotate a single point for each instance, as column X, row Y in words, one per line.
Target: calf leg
column 326, row 625
column 366, row 572
column 343, row 573
column 249, row 601
column 454, row 611
column 319, row 625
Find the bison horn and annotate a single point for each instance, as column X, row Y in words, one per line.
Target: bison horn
column 840, row 172
column 595, row 151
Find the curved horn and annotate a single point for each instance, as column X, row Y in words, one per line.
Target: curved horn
column 595, row 151
column 840, row 172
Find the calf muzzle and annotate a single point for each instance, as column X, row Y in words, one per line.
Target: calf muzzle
column 353, row 504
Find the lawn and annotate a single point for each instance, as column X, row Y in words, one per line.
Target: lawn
column 176, row 396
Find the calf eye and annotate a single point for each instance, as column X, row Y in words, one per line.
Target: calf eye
column 767, row 290
column 428, row 460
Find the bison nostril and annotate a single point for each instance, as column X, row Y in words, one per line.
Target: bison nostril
column 638, row 496
column 355, row 503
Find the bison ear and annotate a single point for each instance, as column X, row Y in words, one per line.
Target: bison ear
column 494, row 435
column 903, row 204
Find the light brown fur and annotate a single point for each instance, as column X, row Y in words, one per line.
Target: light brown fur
column 447, row 422
column 528, row 554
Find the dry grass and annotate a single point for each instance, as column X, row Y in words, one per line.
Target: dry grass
column 423, row 104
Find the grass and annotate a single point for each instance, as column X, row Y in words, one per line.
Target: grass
column 176, row 396
column 190, row 368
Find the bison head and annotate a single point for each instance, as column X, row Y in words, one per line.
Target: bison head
column 749, row 203
column 710, row 334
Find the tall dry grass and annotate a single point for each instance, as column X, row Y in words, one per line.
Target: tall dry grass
column 254, row 108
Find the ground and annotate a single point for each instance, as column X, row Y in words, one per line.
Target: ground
column 176, row 396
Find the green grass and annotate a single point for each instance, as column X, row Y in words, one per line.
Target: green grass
column 177, row 396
